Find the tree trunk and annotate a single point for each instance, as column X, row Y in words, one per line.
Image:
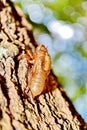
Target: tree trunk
column 51, row 110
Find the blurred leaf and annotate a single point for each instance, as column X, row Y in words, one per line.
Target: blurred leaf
column 81, row 90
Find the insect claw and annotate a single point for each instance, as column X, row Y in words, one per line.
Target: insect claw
column 28, row 52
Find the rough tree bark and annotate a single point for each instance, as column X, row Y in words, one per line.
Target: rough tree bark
column 52, row 110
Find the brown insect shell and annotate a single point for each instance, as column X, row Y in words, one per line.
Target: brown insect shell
column 39, row 71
